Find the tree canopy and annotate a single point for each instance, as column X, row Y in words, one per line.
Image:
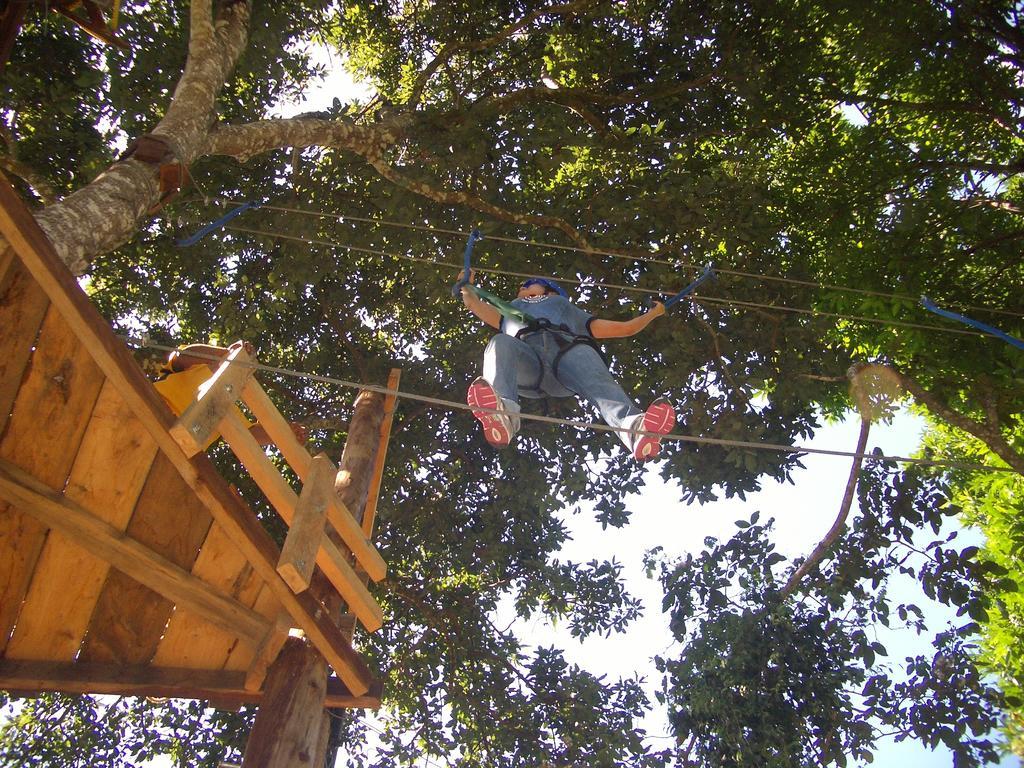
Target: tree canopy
column 836, row 160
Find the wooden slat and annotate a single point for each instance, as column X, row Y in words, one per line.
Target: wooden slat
column 129, row 556
column 198, row 424
column 379, row 462
column 192, row 641
column 106, row 479
column 226, row 687
column 277, row 428
column 43, row 434
column 130, row 618
column 283, row 498
column 299, row 459
column 36, row 252
column 298, row 556
column 22, row 308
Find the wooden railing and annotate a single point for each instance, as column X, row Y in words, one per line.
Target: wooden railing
column 308, row 513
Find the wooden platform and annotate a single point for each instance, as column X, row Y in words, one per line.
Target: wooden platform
column 125, row 565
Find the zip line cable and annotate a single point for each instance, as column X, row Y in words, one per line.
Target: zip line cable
column 614, row 286
column 614, row 254
column 454, row 405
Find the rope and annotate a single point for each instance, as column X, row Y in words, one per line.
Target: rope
column 454, row 405
column 617, row 255
column 973, row 323
column 614, row 286
column 214, row 225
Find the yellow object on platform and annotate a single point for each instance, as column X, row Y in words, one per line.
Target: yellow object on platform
column 179, row 388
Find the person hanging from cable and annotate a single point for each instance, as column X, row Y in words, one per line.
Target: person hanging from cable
column 547, row 347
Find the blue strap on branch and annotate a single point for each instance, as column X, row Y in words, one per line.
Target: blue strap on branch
column 467, row 258
column 215, row 225
column 927, row 304
column 708, row 274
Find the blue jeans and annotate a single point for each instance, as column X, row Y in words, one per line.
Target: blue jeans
column 518, row 368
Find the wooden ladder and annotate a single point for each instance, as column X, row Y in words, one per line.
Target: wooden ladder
column 307, row 514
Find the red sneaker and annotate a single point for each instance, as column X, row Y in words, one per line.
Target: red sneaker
column 659, row 419
column 498, row 427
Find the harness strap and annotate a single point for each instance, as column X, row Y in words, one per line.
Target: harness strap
column 564, row 337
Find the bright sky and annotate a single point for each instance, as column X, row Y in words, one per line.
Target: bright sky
column 803, row 512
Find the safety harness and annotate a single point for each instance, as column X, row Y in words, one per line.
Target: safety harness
column 562, row 335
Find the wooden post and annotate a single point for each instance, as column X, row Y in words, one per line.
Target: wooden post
column 390, row 402
column 288, row 732
column 355, row 476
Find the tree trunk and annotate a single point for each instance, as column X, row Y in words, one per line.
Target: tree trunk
column 289, row 727
column 356, row 469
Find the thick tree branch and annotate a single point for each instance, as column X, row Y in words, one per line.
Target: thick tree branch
column 571, row 97
column 24, row 171
column 989, row 435
column 370, row 142
column 819, row 552
column 107, row 213
column 210, row 62
column 245, row 141
column 200, row 26
column 449, row 51
column 1001, row 169
column 451, row 197
column 987, row 202
column 917, row 105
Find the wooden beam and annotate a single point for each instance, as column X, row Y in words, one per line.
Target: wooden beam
column 298, row 556
column 284, row 500
column 97, row 28
column 266, row 653
column 37, row 254
column 129, row 556
column 370, row 513
column 197, row 425
column 299, row 459
column 6, row 261
column 277, row 428
column 224, row 687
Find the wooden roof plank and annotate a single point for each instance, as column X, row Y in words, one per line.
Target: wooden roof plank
column 130, row 618
column 191, row 640
column 37, row 254
column 22, row 307
column 221, row 686
column 106, row 479
column 130, row 556
column 56, row 398
column 7, row 260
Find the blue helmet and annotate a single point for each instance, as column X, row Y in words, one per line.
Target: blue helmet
column 551, row 285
